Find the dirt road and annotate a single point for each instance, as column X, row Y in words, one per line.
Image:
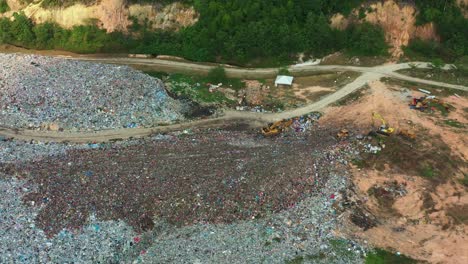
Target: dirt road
column 250, row 118
column 259, row 73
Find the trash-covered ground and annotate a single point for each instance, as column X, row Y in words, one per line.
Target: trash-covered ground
column 52, row 93
column 209, row 196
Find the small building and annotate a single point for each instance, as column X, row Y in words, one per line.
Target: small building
column 284, row 80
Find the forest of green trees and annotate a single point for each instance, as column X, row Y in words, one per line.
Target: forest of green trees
column 452, row 28
column 240, row 31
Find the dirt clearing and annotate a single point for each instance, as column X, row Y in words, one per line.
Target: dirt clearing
column 411, row 186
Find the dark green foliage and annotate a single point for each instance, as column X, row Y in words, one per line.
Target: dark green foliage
column 4, row 6
column 239, row 32
column 464, row 181
column 19, row 31
column 217, row 75
column 437, row 63
column 462, row 65
column 451, row 26
column 83, row 39
column 380, row 256
column 366, row 39
column 65, row 3
column 420, row 49
column 454, row 123
column 427, row 171
column 284, row 71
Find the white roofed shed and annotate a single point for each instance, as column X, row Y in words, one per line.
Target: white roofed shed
column 283, row 80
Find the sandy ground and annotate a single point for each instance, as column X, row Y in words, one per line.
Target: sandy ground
column 393, row 106
column 425, row 234
column 429, row 222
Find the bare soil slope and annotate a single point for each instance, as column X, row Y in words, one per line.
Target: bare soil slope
column 426, row 218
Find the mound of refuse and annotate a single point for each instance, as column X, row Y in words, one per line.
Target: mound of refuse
column 55, row 94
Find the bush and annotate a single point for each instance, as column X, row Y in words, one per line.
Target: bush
column 418, row 49
column 284, row 71
column 366, row 40
column 380, row 256
column 217, row 75
column 4, row 6
column 462, row 64
column 437, row 64
column 451, row 26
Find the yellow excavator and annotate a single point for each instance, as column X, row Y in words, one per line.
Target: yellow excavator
column 384, row 128
column 276, row 128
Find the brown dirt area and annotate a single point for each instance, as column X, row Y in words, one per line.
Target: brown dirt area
column 426, row 218
column 392, row 103
column 397, row 20
column 112, row 15
column 464, row 7
column 304, row 90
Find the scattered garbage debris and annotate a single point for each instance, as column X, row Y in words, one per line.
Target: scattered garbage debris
column 388, row 191
column 58, row 94
column 424, row 91
column 298, row 124
column 344, row 133
column 276, row 128
column 428, row 102
column 372, row 149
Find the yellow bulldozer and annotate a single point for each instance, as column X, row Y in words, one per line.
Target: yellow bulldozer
column 384, row 128
column 276, row 128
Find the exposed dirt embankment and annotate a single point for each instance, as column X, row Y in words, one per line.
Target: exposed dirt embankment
column 421, row 209
column 463, row 4
column 111, row 15
column 398, row 21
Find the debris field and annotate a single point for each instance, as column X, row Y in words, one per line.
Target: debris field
column 214, row 177
column 55, row 94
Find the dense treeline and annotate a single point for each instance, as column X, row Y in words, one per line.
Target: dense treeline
column 22, row 32
column 452, row 27
column 234, row 31
column 239, row 31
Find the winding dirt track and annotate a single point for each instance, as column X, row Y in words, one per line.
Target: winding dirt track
column 250, row 118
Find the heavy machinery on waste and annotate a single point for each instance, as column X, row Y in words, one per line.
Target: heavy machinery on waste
column 384, row 128
column 409, row 134
column 344, row 133
column 276, row 128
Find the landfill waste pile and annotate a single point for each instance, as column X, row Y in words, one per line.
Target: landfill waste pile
column 297, row 124
column 431, row 103
column 58, row 94
column 388, row 191
column 197, row 196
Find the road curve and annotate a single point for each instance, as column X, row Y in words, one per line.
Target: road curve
column 251, row 118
